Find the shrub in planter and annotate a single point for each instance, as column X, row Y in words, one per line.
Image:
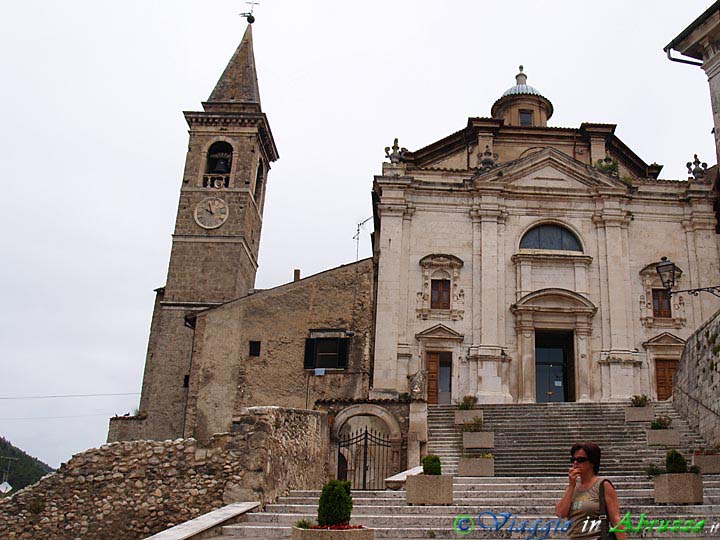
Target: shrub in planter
column 660, row 433
column 677, row 484
column 708, row 460
column 430, row 487
column 467, row 403
column 477, row 465
column 465, row 410
column 475, row 437
column 640, row 410
column 334, row 509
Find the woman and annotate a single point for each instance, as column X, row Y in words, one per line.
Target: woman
column 581, row 503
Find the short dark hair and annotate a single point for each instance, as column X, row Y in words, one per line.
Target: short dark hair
column 593, row 453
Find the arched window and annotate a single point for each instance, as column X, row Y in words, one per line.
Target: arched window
column 219, row 158
column 259, row 182
column 550, row 237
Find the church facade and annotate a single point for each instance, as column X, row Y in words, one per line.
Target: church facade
column 512, row 261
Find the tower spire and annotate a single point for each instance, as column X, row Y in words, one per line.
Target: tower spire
column 238, row 83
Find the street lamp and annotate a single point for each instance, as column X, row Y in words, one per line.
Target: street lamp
column 668, row 273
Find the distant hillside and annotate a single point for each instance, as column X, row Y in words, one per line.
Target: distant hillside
column 27, row 470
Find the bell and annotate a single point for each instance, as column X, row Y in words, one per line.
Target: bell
column 221, row 167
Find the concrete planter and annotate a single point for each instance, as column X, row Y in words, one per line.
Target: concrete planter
column 663, row 437
column 325, row 534
column 478, row 439
column 432, row 489
column 708, row 463
column 467, row 416
column 683, row 488
column 640, row 414
column 476, row 467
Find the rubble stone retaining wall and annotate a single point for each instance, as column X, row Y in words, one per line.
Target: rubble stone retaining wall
column 696, row 386
column 130, row 490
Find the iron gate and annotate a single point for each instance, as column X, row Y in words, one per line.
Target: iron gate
column 364, row 459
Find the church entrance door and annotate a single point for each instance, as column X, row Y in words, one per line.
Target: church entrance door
column 554, row 367
column 439, row 373
column 664, row 372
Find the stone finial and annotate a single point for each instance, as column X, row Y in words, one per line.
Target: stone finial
column 397, row 155
column 696, row 169
column 608, row 165
column 487, row 160
column 521, row 78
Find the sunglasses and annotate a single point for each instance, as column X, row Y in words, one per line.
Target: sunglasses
column 578, row 459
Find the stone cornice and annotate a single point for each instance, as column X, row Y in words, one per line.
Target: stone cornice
column 259, row 120
column 552, row 256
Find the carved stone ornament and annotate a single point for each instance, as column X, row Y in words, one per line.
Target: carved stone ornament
column 447, row 266
column 696, row 169
column 398, row 155
column 418, row 382
column 487, row 160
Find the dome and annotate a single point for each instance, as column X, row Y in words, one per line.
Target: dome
column 522, row 105
column 520, row 89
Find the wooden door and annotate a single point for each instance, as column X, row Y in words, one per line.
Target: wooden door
column 432, row 364
column 664, row 372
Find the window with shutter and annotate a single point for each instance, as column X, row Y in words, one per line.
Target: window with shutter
column 332, row 353
column 440, row 294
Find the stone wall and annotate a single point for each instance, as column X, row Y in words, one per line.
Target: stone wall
column 697, row 380
column 224, row 378
column 129, row 490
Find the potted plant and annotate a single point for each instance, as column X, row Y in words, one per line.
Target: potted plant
column 676, row 484
column 708, row 460
column 465, row 410
column 660, row 433
column 430, row 487
column 477, row 465
column 475, row 437
column 640, row 410
column 333, row 519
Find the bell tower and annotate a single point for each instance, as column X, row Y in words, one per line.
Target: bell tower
column 217, row 232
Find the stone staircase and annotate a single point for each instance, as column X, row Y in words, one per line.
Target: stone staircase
column 528, row 498
column 535, row 439
column 532, row 444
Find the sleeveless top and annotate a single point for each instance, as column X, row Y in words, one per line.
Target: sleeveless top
column 585, row 504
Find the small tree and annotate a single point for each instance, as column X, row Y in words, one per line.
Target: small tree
column 467, row 403
column 639, row 401
column 675, row 462
column 431, row 465
column 335, row 504
column 473, row 425
column 663, row 422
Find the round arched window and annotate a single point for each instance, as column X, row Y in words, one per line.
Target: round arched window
column 550, row 237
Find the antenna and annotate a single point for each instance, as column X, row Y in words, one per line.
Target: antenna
column 6, row 472
column 356, row 237
column 249, row 14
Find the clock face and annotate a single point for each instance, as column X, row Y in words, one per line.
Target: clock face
column 210, row 213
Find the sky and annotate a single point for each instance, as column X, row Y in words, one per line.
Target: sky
column 93, row 146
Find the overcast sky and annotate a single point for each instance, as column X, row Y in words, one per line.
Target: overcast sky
column 93, row 146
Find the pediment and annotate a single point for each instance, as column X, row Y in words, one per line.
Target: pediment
column 555, row 300
column 550, row 169
column 664, row 339
column 440, row 331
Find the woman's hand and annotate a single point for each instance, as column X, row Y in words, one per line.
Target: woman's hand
column 573, row 475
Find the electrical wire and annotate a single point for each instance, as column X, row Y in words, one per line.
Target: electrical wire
column 70, row 396
column 57, row 417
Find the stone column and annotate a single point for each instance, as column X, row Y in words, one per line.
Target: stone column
column 526, row 352
column 583, row 391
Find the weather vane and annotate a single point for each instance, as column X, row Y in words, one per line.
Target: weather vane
column 249, row 14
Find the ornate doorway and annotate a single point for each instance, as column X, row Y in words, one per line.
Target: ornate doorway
column 439, row 376
column 554, row 367
column 664, row 373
